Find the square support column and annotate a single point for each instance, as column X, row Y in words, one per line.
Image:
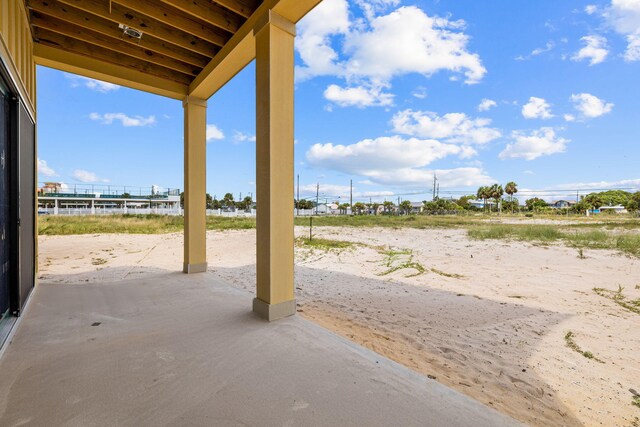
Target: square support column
column 274, row 37
column 195, row 166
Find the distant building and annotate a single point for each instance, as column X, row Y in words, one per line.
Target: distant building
column 50, row 187
column 619, row 209
column 480, row 203
column 328, row 209
column 417, row 207
column 55, row 198
column 562, row 204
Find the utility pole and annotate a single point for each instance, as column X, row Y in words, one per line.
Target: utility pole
column 317, row 196
column 298, row 197
column 435, row 179
column 351, row 196
column 438, row 191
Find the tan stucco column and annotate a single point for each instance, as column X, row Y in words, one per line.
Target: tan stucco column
column 274, row 166
column 195, row 142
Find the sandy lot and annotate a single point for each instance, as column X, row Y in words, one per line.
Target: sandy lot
column 487, row 318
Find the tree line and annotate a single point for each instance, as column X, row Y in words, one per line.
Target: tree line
column 492, row 198
column 227, row 202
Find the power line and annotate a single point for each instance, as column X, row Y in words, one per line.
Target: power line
column 438, row 192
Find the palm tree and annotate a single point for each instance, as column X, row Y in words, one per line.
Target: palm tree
column 496, row 193
column 511, row 188
column 406, row 206
column 593, row 200
column 387, row 206
column 484, row 193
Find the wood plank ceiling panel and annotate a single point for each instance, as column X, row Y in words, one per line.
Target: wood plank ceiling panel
column 107, row 28
column 178, row 37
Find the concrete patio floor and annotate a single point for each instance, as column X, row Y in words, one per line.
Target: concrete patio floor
column 186, row 350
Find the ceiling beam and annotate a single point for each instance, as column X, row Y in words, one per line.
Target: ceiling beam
column 243, row 8
column 68, row 44
column 110, row 29
column 126, row 16
column 177, row 19
column 115, row 44
column 294, row 10
column 59, row 59
column 209, row 12
column 240, row 50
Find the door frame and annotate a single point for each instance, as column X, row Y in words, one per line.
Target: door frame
column 13, row 159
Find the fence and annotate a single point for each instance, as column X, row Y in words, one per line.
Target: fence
column 236, row 213
column 109, row 211
column 137, row 211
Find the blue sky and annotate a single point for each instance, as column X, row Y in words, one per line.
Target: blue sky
column 389, row 92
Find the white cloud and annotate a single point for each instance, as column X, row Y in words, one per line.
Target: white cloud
column 86, row 176
column 421, row 178
column 591, row 106
column 536, row 108
column 558, row 191
column 406, row 177
column 325, row 190
column 409, row 41
column 452, row 127
column 369, row 53
column 595, row 50
column 45, row 169
column 358, row 96
column 371, row 7
column 396, row 161
column 590, row 9
column 420, row 92
column 541, row 142
column 64, row 188
column 308, row 191
column 528, row 172
column 313, row 42
column 623, row 16
column 213, row 133
column 380, row 153
column 569, row 118
column 624, row 183
column 633, row 48
column 547, row 47
column 242, row 137
column 486, row 104
column 96, row 85
column 126, row 121
column 374, row 193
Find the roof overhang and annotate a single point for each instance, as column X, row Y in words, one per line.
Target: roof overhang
column 186, row 48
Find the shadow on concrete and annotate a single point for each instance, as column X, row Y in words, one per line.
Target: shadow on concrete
column 172, row 349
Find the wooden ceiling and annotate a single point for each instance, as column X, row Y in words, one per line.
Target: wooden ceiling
column 179, row 37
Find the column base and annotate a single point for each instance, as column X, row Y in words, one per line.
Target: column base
column 194, row 268
column 273, row 312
